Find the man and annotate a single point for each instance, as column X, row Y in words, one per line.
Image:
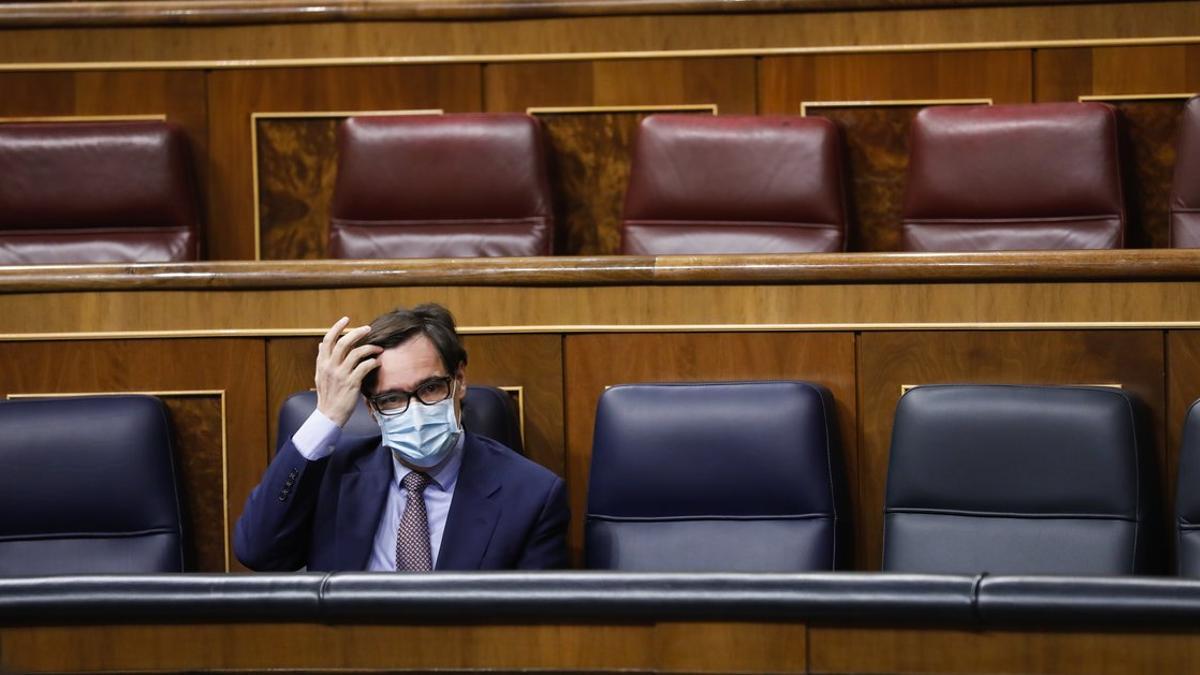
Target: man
column 423, row 495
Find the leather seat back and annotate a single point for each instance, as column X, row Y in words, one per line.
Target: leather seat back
column 1187, row 497
column 88, row 486
column 1019, row 480
column 1185, row 187
column 1012, row 177
column 96, row 192
column 441, row 186
column 735, row 184
column 716, row 477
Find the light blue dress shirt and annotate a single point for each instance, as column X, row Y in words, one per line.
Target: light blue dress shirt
column 315, row 440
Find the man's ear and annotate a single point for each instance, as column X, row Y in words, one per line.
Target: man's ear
column 460, row 376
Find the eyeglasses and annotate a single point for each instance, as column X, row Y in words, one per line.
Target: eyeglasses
column 433, row 390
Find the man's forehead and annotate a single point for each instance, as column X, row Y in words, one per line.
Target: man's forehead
column 407, row 365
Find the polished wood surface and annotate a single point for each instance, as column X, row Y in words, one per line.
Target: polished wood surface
column 588, row 646
column 594, row 362
column 887, row 360
column 216, row 437
column 822, row 268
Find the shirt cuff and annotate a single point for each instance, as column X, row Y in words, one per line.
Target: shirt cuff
column 316, row 437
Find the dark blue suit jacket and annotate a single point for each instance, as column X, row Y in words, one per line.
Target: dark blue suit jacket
column 507, row 512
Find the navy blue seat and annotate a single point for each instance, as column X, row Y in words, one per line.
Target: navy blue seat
column 487, row 411
column 716, row 477
column 1019, row 480
column 1187, row 497
column 88, row 485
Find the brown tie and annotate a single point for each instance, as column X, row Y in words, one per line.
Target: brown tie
column 412, row 537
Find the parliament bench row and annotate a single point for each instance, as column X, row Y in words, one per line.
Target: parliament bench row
column 691, row 477
column 1005, row 177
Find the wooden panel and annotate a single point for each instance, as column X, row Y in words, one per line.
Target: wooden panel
column 533, row 362
column 877, row 135
column 1150, row 126
column 669, row 647
column 590, row 144
column 1133, row 359
column 233, row 95
column 296, row 165
column 867, row 650
column 234, row 366
column 198, row 423
column 596, row 361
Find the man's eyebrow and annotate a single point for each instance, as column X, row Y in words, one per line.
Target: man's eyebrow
column 420, row 384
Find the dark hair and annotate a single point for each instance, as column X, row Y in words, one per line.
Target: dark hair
column 401, row 325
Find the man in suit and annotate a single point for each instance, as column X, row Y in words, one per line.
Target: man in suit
column 421, row 496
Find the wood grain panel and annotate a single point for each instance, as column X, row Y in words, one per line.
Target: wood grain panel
column 594, row 362
column 232, row 365
column 1133, row 359
column 867, row 650
column 593, row 647
column 199, row 427
column 233, row 95
column 297, row 167
column 590, row 145
column 533, row 362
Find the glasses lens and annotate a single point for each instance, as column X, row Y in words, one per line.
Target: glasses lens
column 434, row 391
column 391, row 404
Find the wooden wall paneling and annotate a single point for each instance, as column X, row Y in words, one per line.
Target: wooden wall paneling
column 1183, row 387
column 877, row 136
column 232, row 366
column 532, row 362
column 887, row 360
column 901, row 650
column 590, row 111
column 303, row 170
column 1148, row 86
column 594, row 362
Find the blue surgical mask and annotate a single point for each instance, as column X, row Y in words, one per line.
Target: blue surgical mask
column 423, row 435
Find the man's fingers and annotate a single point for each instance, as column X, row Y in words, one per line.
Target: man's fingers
column 359, row 353
column 338, row 353
column 360, row 371
column 331, row 335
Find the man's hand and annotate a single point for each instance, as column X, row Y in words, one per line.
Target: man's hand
column 340, row 370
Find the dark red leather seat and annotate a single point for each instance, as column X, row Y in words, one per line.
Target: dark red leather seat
column 735, row 184
column 441, row 186
column 1185, row 188
column 96, row 192
column 1012, row 177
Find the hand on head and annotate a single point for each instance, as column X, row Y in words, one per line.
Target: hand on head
column 341, row 368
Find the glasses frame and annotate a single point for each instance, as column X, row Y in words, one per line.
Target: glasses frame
column 451, row 382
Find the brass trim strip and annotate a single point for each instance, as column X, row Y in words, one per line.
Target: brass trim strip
column 219, row 393
column 150, row 117
column 905, row 388
column 1134, row 97
column 883, row 103
column 583, row 109
column 220, row 64
column 623, row 328
column 303, row 114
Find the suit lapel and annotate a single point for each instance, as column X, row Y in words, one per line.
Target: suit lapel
column 473, row 512
column 361, row 497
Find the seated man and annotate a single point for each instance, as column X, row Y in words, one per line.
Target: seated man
column 426, row 495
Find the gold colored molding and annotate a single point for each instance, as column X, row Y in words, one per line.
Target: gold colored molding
column 303, row 114
column 905, row 388
column 586, row 109
column 152, row 117
column 222, row 64
column 196, row 393
column 624, row 328
column 1105, row 98
column 894, row 103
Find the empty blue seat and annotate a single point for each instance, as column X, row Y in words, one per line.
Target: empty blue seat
column 1019, row 480
column 1187, row 497
column 739, row 476
column 88, row 486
